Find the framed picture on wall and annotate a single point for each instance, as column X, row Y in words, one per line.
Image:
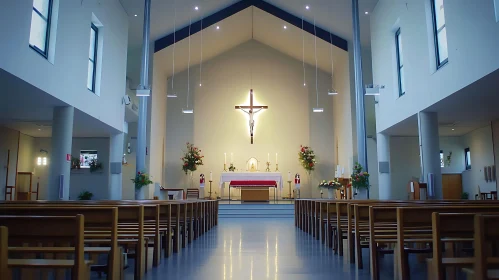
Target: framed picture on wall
column 86, row 157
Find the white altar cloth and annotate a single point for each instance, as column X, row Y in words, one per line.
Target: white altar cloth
column 226, row 177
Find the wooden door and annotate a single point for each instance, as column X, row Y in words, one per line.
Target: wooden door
column 452, row 186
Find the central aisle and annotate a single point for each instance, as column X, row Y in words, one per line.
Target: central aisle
column 255, row 249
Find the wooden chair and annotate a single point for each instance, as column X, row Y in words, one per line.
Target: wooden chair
column 486, row 233
column 62, row 235
column 10, row 190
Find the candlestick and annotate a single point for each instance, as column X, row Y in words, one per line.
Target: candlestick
column 289, row 175
column 225, row 167
column 268, row 157
column 275, row 158
column 276, row 167
column 225, row 158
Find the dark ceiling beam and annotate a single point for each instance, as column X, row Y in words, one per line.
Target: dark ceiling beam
column 208, row 21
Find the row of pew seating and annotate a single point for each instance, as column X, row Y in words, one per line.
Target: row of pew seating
column 68, row 239
column 456, row 237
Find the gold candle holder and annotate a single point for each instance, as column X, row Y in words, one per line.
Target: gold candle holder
column 276, row 167
column 210, row 188
column 290, row 195
column 225, row 167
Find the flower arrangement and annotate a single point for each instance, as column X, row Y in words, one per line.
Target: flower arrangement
column 332, row 184
column 85, row 195
column 232, row 167
column 141, row 179
column 360, row 180
column 192, row 158
column 95, row 165
column 307, row 159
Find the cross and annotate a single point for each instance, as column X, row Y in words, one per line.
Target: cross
column 251, row 110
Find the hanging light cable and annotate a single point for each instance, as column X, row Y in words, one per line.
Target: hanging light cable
column 187, row 110
column 201, row 63
column 173, row 94
column 332, row 91
column 316, row 109
column 303, row 50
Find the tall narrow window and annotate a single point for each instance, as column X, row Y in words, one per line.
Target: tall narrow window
column 442, row 164
column 440, row 32
column 400, row 62
column 467, row 158
column 92, row 57
column 40, row 26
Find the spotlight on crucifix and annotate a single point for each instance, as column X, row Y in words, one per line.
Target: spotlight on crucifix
column 251, row 110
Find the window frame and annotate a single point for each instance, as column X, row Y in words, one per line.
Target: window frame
column 94, row 61
column 466, row 163
column 47, row 32
column 435, row 36
column 399, row 67
column 442, row 159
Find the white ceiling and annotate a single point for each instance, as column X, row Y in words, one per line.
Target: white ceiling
column 331, row 15
column 243, row 26
column 29, row 110
column 468, row 109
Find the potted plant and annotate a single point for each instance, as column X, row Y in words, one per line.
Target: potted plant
column 191, row 159
column 95, row 165
column 331, row 186
column 75, row 163
column 360, row 179
column 85, row 195
column 140, row 180
column 465, row 195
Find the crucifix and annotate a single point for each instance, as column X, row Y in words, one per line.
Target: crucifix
column 251, row 110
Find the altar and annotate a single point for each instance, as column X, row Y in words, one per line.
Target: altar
column 254, row 186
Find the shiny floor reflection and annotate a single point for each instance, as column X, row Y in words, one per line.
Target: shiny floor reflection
column 255, row 249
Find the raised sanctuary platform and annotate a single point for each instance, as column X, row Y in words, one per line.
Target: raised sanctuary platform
column 271, row 210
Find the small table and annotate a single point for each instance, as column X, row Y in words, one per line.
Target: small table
column 178, row 193
column 254, row 190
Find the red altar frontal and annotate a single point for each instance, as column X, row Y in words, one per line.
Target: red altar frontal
column 254, row 190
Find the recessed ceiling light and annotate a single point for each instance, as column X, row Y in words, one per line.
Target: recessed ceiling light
column 285, row 27
column 453, row 129
column 307, row 7
column 39, row 129
column 200, row 85
column 304, row 84
column 218, row 27
column 366, row 13
column 134, row 15
column 196, row 8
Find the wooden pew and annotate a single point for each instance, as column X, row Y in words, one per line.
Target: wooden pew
column 4, row 255
column 101, row 218
column 65, row 233
column 486, row 233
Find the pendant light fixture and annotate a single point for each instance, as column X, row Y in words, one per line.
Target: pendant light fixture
column 316, row 109
column 173, row 94
column 187, row 110
column 331, row 91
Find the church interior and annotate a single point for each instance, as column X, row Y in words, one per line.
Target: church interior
column 249, row 139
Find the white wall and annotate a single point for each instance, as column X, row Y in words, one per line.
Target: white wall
column 66, row 78
column 404, row 164
column 128, row 172
column 8, row 141
column 456, row 146
column 81, row 180
column 495, row 139
column 482, row 154
column 473, row 40
column 216, row 127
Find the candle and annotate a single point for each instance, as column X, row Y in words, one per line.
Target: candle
column 268, row 157
column 275, row 158
column 231, row 158
column 211, row 176
column 289, row 175
column 225, row 158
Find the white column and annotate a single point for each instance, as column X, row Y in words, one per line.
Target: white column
column 115, row 158
column 430, row 150
column 62, row 140
column 384, row 178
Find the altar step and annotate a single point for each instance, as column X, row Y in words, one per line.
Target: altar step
column 265, row 211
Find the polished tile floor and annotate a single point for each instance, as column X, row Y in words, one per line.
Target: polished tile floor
column 260, row 249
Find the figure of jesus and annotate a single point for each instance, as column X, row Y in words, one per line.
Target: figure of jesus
column 251, row 110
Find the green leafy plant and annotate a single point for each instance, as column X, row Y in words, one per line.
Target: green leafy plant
column 95, row 165
column 465, row 195
column 360, row 180
column 85, row 195
column 75, row 163
column 192, row 158
column 307, row 159
column 141, row 180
